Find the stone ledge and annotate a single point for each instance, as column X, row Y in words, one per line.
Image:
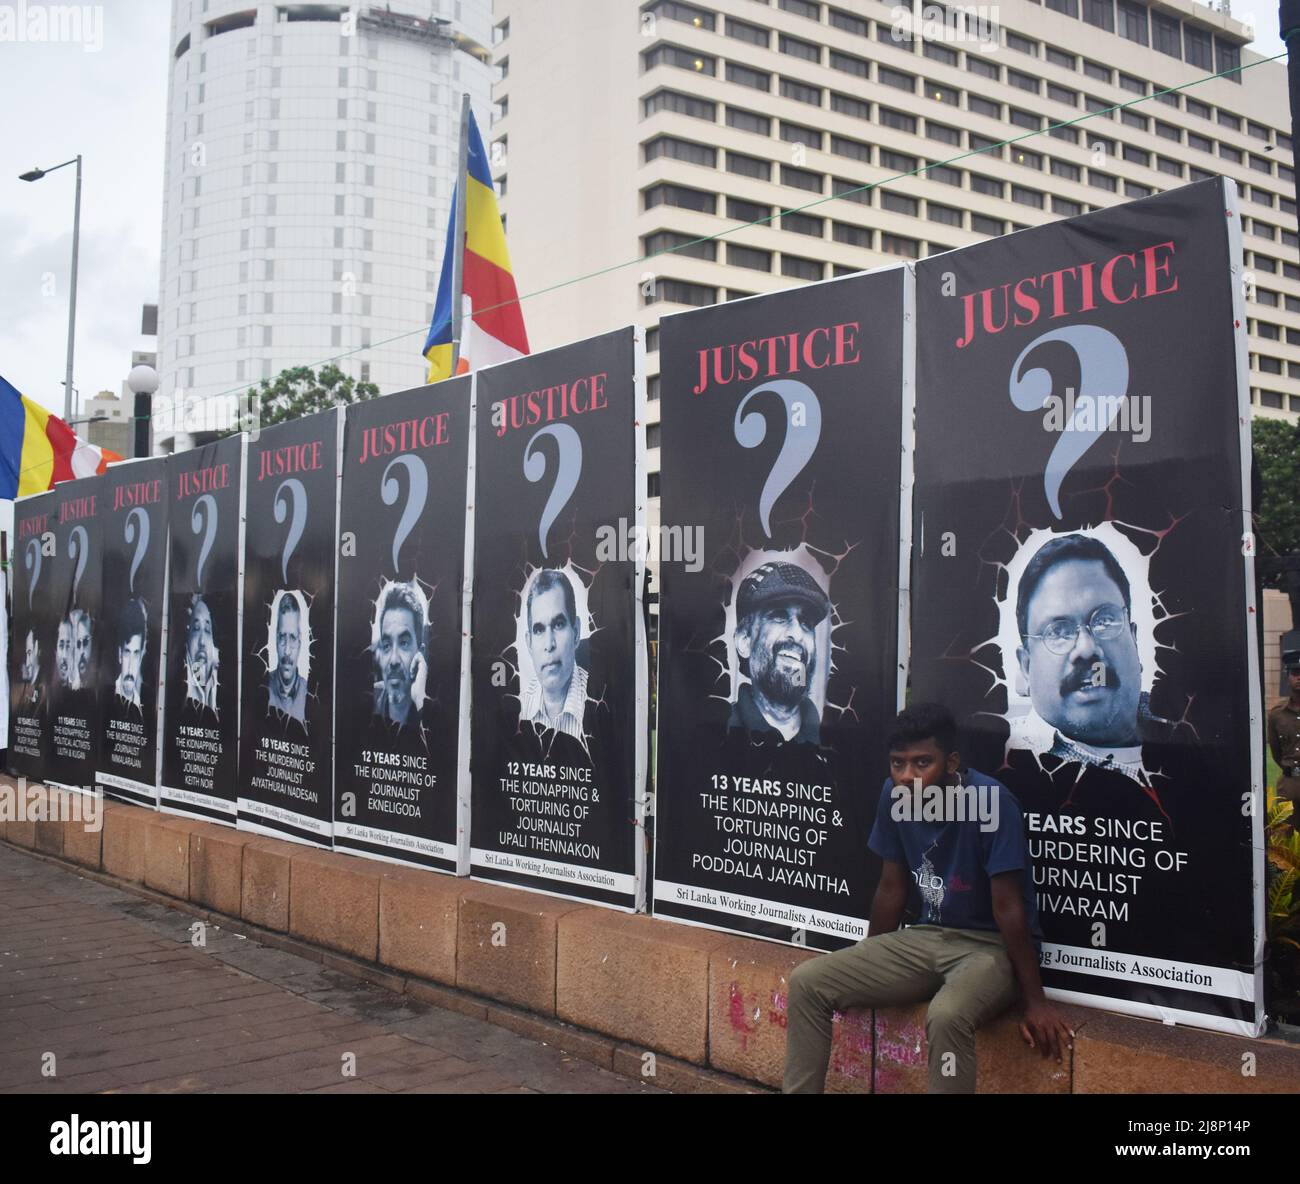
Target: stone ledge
column 334, row 901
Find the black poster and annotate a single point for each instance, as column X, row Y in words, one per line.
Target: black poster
column 35, row 636
column 559, row 688
column 778, row 638
column 201, row 722
column 134, row 533
column 1083, row 586
column 401, row 774
column 286, row 766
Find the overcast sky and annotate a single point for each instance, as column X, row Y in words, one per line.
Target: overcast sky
column 108, row 103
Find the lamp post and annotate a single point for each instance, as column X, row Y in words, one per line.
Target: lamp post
column 36, row 175
column 143, row 381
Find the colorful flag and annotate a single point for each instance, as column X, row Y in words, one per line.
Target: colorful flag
column 492, row 327
column 38, row 449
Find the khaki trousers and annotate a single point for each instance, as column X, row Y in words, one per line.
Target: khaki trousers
column 965, row 973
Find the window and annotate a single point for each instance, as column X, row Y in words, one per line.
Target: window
column 1195, row 174
column 682, row 197
column 796, row 133
column 1069, row 134
column 849, row 23
column 943, row 94
column 1227, row 57
column 857, row 191
column 854, row 149
column 680, row 292
column 852, row 236
column 1102, row 181
column 1270, row 399
column 1132, row 21
column 1096, row 70
column 803, row 224
column 750, row 257
column 1026, row 119
column 1062, row 94
column 849, row 64
column 988, row 186
column 1229, row 153
column 1166, row 34
column 1069, row 7
column 1202, row 143
column 1257, row 130
column 1027, row 197
column 686, row 150
column 748, row 121
column 679, row 244
column 800, row 49
column 1196, row 107
column 1022, row 81
column 1031, row 160
column 1167, row 131
column 744, row 76
column 671, row 100
column 801, row 92
column 1268, row 332
column 1137, row 156
column 1133, row 119
column 900, row 204
column 898, row 120
column 1133, row 189
column 985, row 145
column 744, row 31
column 801, row 179
column 1134, row 86
column 1264, row 296
column 652, row 387
column 898, row 162
column 940, row 53
column 1227, row 119
column 1066, row 170
column 748, row 166
column 1066, row 207
column 984, row 225
column 982, row 106
column 653, row 435
column 1173, row 167
column 1094, row 104
column 948, row 215
column 1100, row 13
column 799, row 268
column 898, row 244
column 1058, row 57
column 688, row 14
column 1021, row 44
column 802, row 8
column 982, row 68
column 942, row 132
column 651, row 340
column 1261, row 164
column 858, row 108
column 747, row 211
column 945, row 174
column 898, row 79
column 684, row 59
column 1270, row 365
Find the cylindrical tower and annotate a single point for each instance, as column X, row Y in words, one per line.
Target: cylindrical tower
column 310, row 158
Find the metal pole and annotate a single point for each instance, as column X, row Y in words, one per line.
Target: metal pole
column 72, row 297
column 458, row 243
column 1288, row 23
column 143, row 414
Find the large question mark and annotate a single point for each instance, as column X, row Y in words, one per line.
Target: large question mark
column 209, row 528
column 33, row 560
column 567, row 473
column 417, row 493
column 136, row 531
column 796, row 449
column 1103, row 378
column 78, row 544
column 299, row 520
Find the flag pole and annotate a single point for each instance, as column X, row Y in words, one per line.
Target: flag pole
column 458, row 257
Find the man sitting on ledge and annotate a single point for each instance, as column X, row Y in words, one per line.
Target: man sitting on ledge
column 976, row 937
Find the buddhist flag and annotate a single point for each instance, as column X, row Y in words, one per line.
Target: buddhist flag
column 38, row 449
column 492, row 325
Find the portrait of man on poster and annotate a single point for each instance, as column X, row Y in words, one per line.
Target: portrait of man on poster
column 556, row 695
column 32, row 697
column 285, row 683
column 202, row 657
column 778, row 609
column 132, row 641
column 400, row 651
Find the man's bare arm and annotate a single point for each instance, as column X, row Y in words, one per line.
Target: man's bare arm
column 890, row 900
column 1043, row 1027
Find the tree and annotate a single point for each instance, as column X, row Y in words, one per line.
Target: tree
column 300, row 391
column 1276, row 444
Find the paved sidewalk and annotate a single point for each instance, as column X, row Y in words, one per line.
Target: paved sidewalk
column 112, row 987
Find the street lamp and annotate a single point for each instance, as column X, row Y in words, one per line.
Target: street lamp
column 36, row 175
column 143, row 381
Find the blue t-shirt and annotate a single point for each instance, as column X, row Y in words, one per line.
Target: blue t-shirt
column 951, row 861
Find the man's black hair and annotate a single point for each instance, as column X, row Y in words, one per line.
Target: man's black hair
column 132, row 622
column 923, row 721
column 1071, row 546
column 547, row 579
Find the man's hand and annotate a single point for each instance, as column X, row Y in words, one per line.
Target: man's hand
column 419, row 680
column 1046, row 1029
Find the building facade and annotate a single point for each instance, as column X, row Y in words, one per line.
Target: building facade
column 625, row 129
column 309, row 172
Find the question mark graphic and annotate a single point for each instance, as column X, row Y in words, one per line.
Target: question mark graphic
column 78, row 544
column 136, row 531
column 299, row 498
column 208, row 523
column 33, row 560
column 567, row 473
column 796, row 449
column 1103, row 381
column 417, row 492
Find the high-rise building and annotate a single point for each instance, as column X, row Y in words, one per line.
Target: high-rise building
column 623, row 129
column 309, row 172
